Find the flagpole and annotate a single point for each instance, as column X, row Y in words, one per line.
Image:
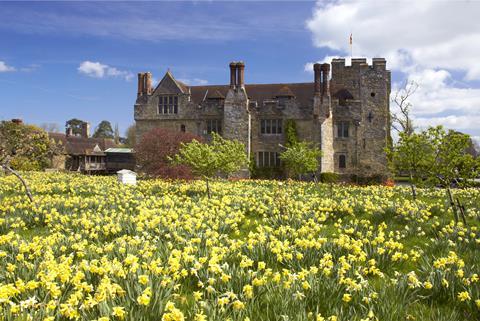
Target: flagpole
column 351, row 45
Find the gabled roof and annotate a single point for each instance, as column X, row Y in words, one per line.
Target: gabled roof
column 215, row 94
column 77, row 145
column 169, row 85
column 285, row 91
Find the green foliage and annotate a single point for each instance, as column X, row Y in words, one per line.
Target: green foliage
column 221, row 156
column 452, row 162
column 25, row 147
column 413, row 154
column 435, row 156
column 290, row 133
column 75, row 124
column 131, row 136
column 329, row 177
column 104, row 130
column 301, row 158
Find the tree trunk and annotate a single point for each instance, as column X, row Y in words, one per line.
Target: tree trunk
column 208, row 188
column 27, row 189
column 452, row 204
column 462, row 211
column 412, row 186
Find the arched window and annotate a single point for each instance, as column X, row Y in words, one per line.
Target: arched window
column 343, row 95
column 182, row 128
column 342, row 161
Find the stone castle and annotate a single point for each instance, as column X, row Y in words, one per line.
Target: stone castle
column 345, row 114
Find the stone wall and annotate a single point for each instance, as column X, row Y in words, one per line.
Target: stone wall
column 357, row 94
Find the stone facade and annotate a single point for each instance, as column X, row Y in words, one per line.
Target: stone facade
column 345, row 111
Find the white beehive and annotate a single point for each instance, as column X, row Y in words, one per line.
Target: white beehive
column 126, row 176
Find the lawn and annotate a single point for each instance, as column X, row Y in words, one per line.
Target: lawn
column 89, row 248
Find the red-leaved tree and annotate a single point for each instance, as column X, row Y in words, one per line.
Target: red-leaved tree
column 156, row 146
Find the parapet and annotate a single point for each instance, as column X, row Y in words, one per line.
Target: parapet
column 359, row 63
column 379, row 63
column 338, row 64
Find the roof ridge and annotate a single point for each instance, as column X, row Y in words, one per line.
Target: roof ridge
column 257, row 84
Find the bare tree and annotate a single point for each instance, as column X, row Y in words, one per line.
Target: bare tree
column 402, row 119
column 50, row 127
column 5, row 158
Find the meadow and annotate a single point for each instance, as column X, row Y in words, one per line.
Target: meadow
column 89, row 248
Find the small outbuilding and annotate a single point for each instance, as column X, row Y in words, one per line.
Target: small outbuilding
column 127, row 177
column 120, row 158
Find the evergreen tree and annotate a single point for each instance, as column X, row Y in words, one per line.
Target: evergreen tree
column 104, row 130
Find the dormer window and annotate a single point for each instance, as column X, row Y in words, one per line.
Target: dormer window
column 168, row 104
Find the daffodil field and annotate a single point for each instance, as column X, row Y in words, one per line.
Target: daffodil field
column 89, row 248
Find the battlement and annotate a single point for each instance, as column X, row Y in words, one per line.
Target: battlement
column 339, row 66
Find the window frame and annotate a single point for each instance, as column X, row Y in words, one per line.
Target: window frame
column 167, row 105
column 343, row 128
column 340, row 162
column 271, row 126
column 268, row 159
column 214, row 126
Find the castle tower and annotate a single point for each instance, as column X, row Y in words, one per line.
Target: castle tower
column 236, row 116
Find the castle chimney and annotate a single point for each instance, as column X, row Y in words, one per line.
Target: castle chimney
column 325, row 70
column 17, row 121
column 317, row 78
column 85, row 130
column 241, row 74
column 69, row 131
column 233, row 76
column 148, row 83
column 140, row 83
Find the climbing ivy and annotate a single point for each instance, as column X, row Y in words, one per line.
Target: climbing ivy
column 291, row 137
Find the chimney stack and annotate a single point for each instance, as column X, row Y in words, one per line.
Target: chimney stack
column 241, row 74
column 17, row 121
column 317, row 78
column 233, row 76
column 140, row 84
column 148, row 83
column 85, row 130
column 69, row 131
column 325, row 69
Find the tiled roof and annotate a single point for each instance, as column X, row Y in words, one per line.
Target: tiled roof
column 119, row 150
column 285, row 91
column 303, row 92
column 76, row 145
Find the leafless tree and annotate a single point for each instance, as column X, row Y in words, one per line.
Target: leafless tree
column 50, row 127
column 402, row 118
column 5, row 158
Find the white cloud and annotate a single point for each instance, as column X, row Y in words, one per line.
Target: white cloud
column 194, row 81
column 99, row 70
column 435, row 43
column 428, row 33
column 5, row 68
column 30, row 68
column 308, row 67
column 438, row 102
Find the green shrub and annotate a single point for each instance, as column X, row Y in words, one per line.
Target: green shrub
column 329, row 177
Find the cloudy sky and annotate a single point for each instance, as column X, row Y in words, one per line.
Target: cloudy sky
column 60, row 60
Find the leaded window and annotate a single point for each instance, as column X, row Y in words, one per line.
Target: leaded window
column 342, row 161
column 342, row 129
column 168, row 104
column 214, row 126
column 271, row 126
column 268, row 159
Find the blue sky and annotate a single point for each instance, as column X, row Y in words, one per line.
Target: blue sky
column 60, row 60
